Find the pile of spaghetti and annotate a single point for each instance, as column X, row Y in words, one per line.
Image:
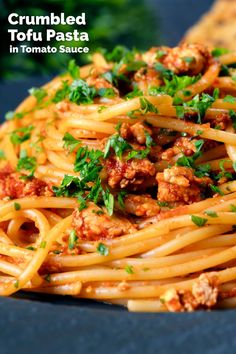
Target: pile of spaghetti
column 117, row 182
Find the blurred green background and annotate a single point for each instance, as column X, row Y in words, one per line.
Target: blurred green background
column 129, row 22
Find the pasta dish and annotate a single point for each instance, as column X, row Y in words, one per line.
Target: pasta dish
column 117, row 182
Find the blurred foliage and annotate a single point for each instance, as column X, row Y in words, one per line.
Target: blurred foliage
column 109, row 22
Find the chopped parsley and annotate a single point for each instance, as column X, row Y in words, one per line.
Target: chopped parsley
column 57, row 252
column 43, row 244
column 101, row 109
column 229, row 99
column 106, row 92
column 135, row 93
column 174, row 84
column 142, row 153
column 217, row 52
column 149, row 140
column 162, row 300
column 108, row 199
column 26, row 163
column 224, row 70
column 117, row 144
column 189, row 161
column 72, row 240
column 16, row 284
column 216, row 189
column 80, row 92
column 233, row 208
column 117, row 54
column 200, row 104
column 47, row 278
column 122, row 56
column 30, row 248
column 188, row 60
column 135, row 65
column 11, row 115
column 138, row 154
column 98, row 212
column 121, row 196
column 70, row 142
column 129, row 269
column 147, row 106
column 82, row 202
column 88, row 185
column 20, row 135
column 17, row 206
column 163, row 71
column 179, row 111
column 107, row 76
column 163, row 204
column 102, row 249
column 211, row 213
column 199, row 132
column 38, row 93
column 118, row 126
column 70, row 187
column 73, row 69
column 62, row 93
column 35, row 144
column 223, row 172
column 197, row 220
column 203, row 170
column 160, row 53
column 2, row 155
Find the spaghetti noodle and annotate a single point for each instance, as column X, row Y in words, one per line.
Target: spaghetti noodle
column 118, row 182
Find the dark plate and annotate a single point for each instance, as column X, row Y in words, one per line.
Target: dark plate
column 34, row 324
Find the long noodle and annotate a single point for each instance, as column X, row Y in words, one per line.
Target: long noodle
column 149, row 221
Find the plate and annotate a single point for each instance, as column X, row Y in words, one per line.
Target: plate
column 49, row 324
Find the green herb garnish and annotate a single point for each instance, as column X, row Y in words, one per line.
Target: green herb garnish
column 211, row 213
column 233, row 208
column 121, row 196
column 80, row 92
column 163, row 71
column 129, row 269
column 20, row 135
column 197, row 220
column 135, row 93
column 17, row 206
column 188, row 60
column 229, row 99
column 106, row 92
column 217, row 52
column 38, row 93
column 47, row 278
column 70, row 142
column 102, row 249
column 162, row 204
column 2, row 155
column 73, row 69
column 43, row 244
column 117, row 144
column 26, row 163
column 216, row 189
column 72, row 240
